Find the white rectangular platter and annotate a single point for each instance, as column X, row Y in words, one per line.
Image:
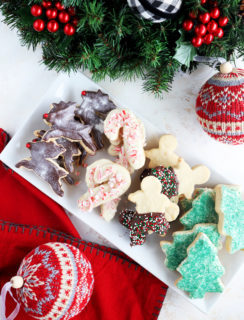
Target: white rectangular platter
column 149, row 255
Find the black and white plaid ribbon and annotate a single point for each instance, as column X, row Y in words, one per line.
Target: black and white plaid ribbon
column 155, row 10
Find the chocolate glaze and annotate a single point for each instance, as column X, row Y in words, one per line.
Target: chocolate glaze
column 39, row 163
column 63, row 124
column 94, row 107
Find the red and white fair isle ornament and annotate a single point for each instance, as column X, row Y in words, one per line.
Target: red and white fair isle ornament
column 54, row 281
column 220, row 105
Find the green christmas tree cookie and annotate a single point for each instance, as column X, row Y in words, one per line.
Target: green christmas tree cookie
column 176, row 251
column 202, row 211
column 230, row 208
column 186, row 204
column 201, row 270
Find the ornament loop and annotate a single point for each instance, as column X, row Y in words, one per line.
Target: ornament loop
column 7, row 289
column 211, row 60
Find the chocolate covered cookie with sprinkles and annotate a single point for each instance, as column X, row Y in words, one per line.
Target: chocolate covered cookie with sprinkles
column 167, row 178
column 140, row 225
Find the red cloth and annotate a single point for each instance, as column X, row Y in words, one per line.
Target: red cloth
column 123, row 290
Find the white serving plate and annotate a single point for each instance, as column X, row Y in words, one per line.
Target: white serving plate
column 149, row 255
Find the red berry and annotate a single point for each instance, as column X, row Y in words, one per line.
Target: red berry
column 203, row 1
column 192, row 15
column 75, row 21
column 200, row 30
column 59, row 6
column 213, row 4
column 215, row 13
column 212, row 26
column 187, row 25
column 36, row 10
column 34, row 140
column 71, row 11
column 28, row 145
column 39, row 25
column 83, row 93
column 69, row 29
column 208, row 38
column 63, row 17
column 219, row 33
column 197, row 41
column 51, row 13
column 46, row 4
column 45, row 116
column 204, row 17
column 52, row 26
column 223, row 21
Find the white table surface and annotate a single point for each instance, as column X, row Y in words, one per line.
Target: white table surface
column 23, row 81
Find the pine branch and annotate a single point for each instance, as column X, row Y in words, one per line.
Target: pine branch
column 111, row 41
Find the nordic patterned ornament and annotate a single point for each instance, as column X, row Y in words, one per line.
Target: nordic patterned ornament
column 220, row 105
column 54, row 281
column 155, row 10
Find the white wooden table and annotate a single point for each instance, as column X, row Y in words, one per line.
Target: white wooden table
column 23, row 81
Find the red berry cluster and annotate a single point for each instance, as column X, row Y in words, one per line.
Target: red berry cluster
column 51, row 11
column 204, row 25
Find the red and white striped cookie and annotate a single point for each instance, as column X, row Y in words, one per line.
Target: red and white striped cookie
column 106, row 182
column 126, row 134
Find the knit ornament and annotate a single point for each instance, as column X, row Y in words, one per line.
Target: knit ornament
column 54, row 281
column 220, row 106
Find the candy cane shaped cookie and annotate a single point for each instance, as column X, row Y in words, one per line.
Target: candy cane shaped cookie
column 127, row 134
column 106, row 182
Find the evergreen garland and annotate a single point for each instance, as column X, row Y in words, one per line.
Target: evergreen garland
column 111, row 41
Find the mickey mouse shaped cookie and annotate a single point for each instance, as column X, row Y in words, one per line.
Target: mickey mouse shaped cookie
column 186, row 176
column 153, row 212
column 150, row 199
column 164, row 155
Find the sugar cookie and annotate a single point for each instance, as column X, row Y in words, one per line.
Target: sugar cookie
column 164, row 155
column 150, row 199
column 106, row 181
column 201, row 269
column 202, row 211
column 62, row 122
column 176, row 251
column 125, row 131
column 167, row 178
column 188, row 177
column 230, row 208
column 142, row 224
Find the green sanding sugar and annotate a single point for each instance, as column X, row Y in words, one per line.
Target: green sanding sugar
column 176, row 251
column 231, row 207
column 202, row 211
column 201, row 270
column 186, row 204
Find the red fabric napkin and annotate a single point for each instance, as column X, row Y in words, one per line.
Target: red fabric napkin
column 123, row 290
